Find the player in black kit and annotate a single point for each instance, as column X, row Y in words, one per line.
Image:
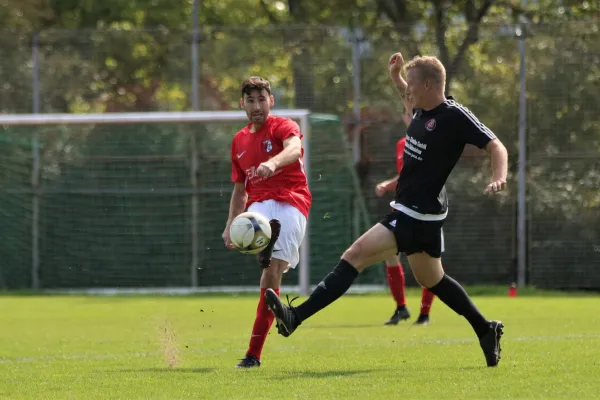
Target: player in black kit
column 435, row 139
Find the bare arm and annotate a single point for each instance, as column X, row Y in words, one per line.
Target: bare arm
column 292, row 151
column 391, row 183
column 386, row 186
column 395, row 66
column 400, row 84
column 407, row 117
column 237, row 205
column 499, row 159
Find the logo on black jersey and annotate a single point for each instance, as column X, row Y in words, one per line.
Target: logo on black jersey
column 267, row 146
column 430, row 125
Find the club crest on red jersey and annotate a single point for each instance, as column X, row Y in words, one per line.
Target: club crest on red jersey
column 267, row 145
column 430, row 125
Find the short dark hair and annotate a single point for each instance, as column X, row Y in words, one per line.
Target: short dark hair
column 255, row 83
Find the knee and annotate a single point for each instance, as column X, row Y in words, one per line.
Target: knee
column 428, row 279
column 277, row 268
column 354, row 253
column 421, row 282
column 271, row 277
column 392, row 261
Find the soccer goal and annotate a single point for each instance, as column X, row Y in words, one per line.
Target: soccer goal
column 137, row 202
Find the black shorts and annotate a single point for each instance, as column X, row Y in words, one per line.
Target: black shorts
column 415, row 236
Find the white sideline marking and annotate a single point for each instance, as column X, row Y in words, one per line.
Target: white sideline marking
column 156, row 353
column 178, row 291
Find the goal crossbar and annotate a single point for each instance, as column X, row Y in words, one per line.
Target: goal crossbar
column 159, row 117
column 138, row 117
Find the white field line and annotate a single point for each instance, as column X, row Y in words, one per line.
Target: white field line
column 7, row 360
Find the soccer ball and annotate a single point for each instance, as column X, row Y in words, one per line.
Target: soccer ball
column 250, row 232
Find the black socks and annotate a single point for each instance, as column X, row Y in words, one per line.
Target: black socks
column 335, row 284
column 338, row 281
column 454, row 296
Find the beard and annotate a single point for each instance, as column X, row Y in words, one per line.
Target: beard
column 257, row 118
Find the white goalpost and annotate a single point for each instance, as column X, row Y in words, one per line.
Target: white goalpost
column 17, row 129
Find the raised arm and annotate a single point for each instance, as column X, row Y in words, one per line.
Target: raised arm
column 395, row 66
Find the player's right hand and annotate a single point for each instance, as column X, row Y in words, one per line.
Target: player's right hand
column 380, row 189
column 395, row 64
column 227, row 238
column 496, row 186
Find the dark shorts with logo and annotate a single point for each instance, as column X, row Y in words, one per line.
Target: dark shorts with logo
column 415, row 236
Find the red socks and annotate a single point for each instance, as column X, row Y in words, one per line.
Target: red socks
column 396, row 282
column 262, row 324
column 426, row 300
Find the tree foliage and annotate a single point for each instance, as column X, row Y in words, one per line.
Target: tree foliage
column 123, row 55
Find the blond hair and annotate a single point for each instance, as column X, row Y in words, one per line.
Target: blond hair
column 431, row 69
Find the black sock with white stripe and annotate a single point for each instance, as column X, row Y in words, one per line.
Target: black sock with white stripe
column 454, row 296
column 335, row 284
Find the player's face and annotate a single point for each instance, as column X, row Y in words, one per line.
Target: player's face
column 416, row 88
column 257, row 105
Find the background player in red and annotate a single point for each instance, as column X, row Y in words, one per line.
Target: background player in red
column 393, row 266
column 269, row 178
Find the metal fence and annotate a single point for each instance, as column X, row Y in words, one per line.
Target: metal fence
column 343, row 72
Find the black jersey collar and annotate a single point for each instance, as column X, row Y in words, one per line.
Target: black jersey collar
column 420, row 111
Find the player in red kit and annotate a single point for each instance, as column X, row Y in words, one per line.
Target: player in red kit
column 269, row 178
column 393, row 267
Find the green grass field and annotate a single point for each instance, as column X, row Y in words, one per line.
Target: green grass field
column 71, row 347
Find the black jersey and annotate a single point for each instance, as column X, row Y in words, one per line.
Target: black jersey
column 435, row 140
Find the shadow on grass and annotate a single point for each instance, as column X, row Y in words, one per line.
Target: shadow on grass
column 168, row 370
column 343, row 326
column 328, row 374
column 451, row 368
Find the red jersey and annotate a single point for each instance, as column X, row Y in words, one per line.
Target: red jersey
column 249, row 150
column 400, row 154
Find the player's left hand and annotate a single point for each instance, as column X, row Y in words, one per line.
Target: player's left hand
column 266, row 169
column 395, row 64
column 495, row 187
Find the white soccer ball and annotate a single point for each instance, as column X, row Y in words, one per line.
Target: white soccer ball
column 250, row 232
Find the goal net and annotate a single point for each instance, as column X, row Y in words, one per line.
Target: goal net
column 138, row 201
